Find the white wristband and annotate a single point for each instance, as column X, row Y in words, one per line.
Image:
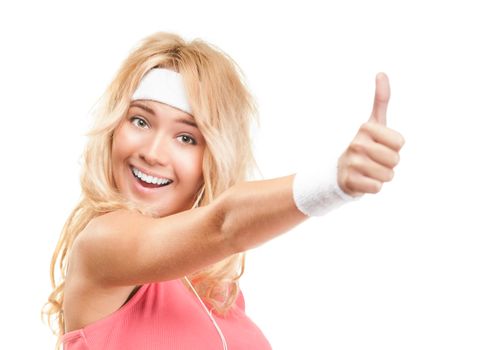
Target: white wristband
column 316, row 190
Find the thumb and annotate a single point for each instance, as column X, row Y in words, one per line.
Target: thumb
column 381, row 99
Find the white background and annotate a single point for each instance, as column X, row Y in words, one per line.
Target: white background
column 395, row 270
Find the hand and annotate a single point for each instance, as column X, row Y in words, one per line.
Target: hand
column 369, row 160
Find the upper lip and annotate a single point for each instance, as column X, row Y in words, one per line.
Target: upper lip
column 147, row 172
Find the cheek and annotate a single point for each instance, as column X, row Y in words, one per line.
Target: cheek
column 193, row 165
column 199, row 165
column 115, row 156
column 123, row 143
column 116, row 151
column 121, row 146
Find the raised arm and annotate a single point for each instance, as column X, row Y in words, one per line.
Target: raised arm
column 127, row 248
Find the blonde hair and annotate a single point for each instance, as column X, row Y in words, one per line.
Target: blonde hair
column 223, row 109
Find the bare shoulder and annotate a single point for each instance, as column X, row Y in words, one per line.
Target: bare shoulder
column 96, row 232
column 101, row 240
column 109, row 222
column 127, row 248
column 85, row 300
column 109, row 229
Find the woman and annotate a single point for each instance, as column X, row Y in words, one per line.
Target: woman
column 152, row 255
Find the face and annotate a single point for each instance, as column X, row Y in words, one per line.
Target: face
column 157, row 157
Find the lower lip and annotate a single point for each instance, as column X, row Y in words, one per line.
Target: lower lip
column 143, row 187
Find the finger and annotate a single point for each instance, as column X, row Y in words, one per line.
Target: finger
column 383, row 135
column 383, row 155
column 381, row 99
column 363, row 184
column 377, row 152
column 371, row 169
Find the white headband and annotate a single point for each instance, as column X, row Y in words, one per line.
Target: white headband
column 165, row 86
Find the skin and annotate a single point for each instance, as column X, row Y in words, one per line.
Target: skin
column 370, row 158
column 151, row 139
column 122, row 249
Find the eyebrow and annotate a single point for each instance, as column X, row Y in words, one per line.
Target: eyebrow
column 151, row 111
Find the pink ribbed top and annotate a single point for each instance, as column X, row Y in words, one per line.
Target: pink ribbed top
column 166, row 315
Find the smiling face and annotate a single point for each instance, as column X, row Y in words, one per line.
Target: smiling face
column 157, row 157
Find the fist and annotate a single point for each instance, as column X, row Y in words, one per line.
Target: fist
column 369, row 160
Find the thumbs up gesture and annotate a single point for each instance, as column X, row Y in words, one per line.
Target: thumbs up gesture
column 369, row 160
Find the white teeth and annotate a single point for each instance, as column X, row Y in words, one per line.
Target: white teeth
column 149, row 178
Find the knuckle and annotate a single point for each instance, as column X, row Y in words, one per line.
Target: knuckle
column 356, row 146
column 355, row 162
column 364, row 127
column 349, row 181
column 347, row 178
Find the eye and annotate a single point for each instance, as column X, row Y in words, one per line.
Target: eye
column 188, row 139
column 139, row 122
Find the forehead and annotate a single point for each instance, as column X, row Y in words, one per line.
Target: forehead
column 156, row 106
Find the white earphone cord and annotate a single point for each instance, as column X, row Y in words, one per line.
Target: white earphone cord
column 223, row 340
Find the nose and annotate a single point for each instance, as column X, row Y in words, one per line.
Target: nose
column 155, row 150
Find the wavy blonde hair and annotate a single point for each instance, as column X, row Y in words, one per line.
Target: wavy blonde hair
column 223, row 109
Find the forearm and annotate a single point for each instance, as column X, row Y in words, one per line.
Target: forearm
column 257, row 211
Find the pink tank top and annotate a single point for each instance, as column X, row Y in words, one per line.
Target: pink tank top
column 166, row 315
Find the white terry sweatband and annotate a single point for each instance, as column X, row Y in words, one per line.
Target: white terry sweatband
column 316, row 190
column 165, row 86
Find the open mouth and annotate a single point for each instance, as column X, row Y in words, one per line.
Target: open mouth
column 149, row 181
